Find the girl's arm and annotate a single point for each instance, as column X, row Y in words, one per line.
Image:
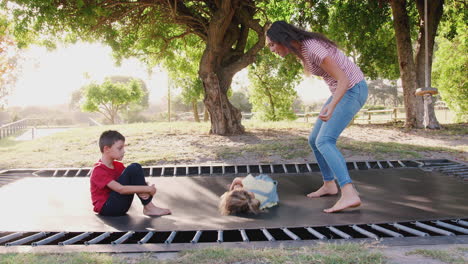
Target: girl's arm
column 131, row 189
column 236, row 181
column 333, row 70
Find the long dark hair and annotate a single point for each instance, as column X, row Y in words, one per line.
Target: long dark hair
column 284, row 34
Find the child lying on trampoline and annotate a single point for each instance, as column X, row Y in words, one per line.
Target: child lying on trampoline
column 113, row 186
column 249, row 195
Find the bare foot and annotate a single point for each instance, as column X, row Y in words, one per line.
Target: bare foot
column 152, row 210
column 349, row 199
column 328, row 188
column 343, row 204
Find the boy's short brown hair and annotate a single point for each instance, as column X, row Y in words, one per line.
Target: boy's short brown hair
column 108, row 138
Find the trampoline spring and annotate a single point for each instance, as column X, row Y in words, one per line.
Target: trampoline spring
column 308, row 167
column 410, row 230
column 66, row 173
column 272, row 168
column 97, row 239
column 380, row 165
column 267, row 234
column 420, row 164
column 199, row 170
column 285, row 168
column 433, row 229
column 223, row 169
column 244, row 236
column 187, row 171
column 452, row 227
column 315, row 233
column 146, row 238
column 368, row 165
column 49, row 239
column 27, row 239
column 75, row 239
column 248, row 168
column 260, row 169
column 401, row 163
column 356, row 167
column 196, row 237
column 211, row 170
column 236, row 170
column 389, row 164
column 297, row 168
column 55, row 173
column 10, row 236
column 220, row 236
column 385, row 230
column 151, row 171
column 78, row 172
column 162, row 171
column 89, row 173
column 290, row 234
column 364, row 232
column 171, row 237
column 339, row 232
column 461, row 222
column 123, row 238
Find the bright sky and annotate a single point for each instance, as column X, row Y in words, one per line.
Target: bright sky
column 50, row 77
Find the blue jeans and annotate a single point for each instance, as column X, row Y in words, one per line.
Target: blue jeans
column 323, row 137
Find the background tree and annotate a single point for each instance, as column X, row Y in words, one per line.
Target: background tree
column 230, row 31
column 8, row 60
column 451, row 59
column 183, row 66
column 111, row 98
column 241, row 101
column 273, row 81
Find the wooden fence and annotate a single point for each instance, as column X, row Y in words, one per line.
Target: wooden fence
column 13, row 128
column 367, row 115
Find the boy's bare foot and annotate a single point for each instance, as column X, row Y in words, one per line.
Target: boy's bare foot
column 349, row 199
column 328, row 188
column 152, row 210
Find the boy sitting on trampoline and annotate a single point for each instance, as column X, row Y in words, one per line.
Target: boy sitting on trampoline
column 113, row 186
column 249, row 195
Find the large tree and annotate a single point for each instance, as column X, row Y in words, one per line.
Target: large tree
column 150, row 28
column 412, row 67
column 272, row 81
column 111, row 97
column 9, row 55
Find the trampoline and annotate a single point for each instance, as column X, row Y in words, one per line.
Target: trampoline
column 416, row 199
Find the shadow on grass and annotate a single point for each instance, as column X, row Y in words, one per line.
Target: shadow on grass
column 382, row 148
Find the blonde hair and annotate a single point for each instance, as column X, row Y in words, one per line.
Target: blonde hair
column 238, row 201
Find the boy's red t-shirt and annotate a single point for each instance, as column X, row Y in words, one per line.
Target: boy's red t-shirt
column 100, row 177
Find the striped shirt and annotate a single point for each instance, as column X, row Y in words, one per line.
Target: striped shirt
column 314, row 52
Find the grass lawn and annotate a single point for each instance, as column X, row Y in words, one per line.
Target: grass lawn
column 322, row 253
column 264, row 142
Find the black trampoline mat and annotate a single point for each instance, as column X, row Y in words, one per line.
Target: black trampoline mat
column 389, row 195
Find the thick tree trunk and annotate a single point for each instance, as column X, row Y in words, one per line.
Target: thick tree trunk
column 405, row 59
column 434, row 14
column 226, row 53
column 225, row 118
